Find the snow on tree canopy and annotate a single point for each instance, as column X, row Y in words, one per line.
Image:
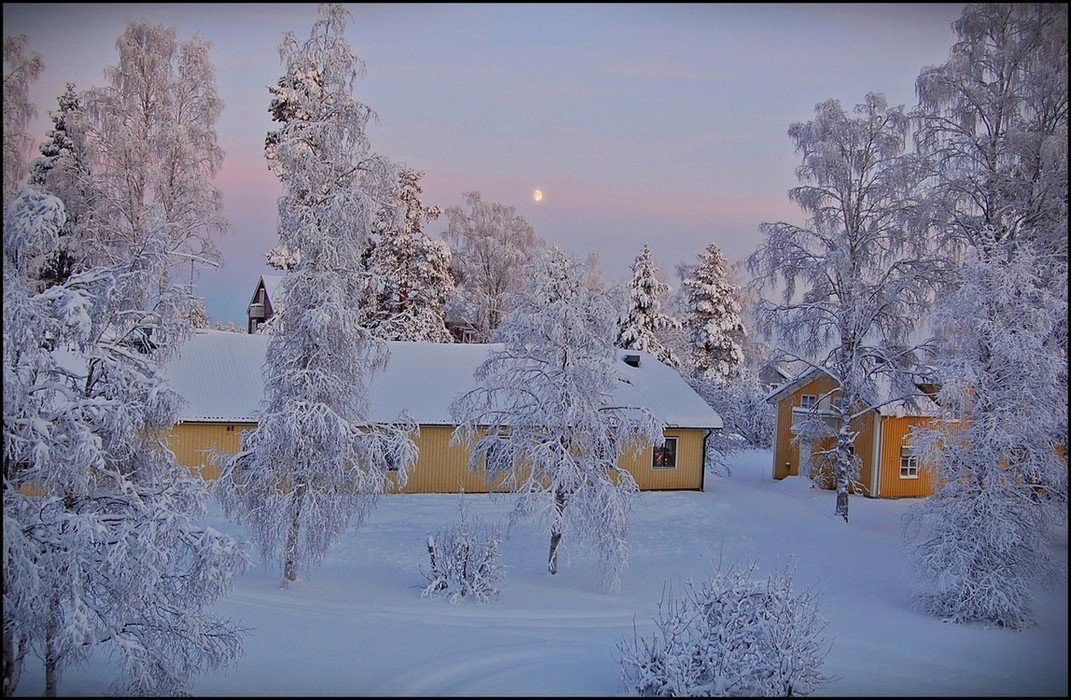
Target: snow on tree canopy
column 643, row 324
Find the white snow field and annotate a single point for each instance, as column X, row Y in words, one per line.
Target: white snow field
column 358, row 625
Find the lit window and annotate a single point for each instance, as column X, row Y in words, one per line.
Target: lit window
column 808, row 401
column 665, row 457
column 909, row 463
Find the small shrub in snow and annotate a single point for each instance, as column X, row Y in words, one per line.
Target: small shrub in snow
column 733, row 635
column 464, row 561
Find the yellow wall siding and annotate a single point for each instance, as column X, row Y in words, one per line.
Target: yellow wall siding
column 786, row 453
column 893, row 437
column 191, row 443
column 440, row 467
column 689, row 471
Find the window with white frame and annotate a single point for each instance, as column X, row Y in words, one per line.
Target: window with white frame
column 909, row 463
column 665, row 457
column 808, row 401
column 838, row 403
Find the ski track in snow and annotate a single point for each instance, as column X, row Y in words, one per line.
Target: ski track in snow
column 454, row 674
column 463, row 614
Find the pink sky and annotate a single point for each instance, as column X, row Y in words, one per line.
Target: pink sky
column 664, row 124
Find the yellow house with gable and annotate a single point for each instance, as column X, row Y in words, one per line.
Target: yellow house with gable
column 220, row 376
column 889, row 465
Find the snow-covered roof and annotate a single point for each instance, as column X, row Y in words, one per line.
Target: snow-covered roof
column 219, row 374
column 271, row 288
column 918, row 404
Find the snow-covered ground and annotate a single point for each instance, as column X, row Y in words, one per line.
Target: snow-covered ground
column 359, row 626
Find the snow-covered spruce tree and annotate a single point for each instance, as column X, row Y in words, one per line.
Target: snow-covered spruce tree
column 642, row 325
column 492, row 247
column 62, row 170
column 315, row 464
column 715, row 359
column 714, row 319
column 20, row 69
column 865, row 273
column 411, row 272
column 151, row 139
column 734, row 635
column 544, row 417
column 103, row 546
column 992, row 127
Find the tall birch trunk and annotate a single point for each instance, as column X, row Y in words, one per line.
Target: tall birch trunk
column 290, row 554
column 556, row 531
column 845, row 463
column 51, row 656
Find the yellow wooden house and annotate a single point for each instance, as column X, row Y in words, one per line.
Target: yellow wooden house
column 889, row 465
column 220, row 377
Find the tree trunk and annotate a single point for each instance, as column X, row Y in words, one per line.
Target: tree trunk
column 13, row 649
column 51, row 657
column 290, row 553
column 556, row 531
column 845, row 463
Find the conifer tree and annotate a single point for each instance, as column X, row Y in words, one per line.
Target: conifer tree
column 714, row 318
column 62, row 170
column 410, row 273
column 643, row 324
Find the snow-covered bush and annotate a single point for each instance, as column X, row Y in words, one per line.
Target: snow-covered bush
column 733, row 635
column 464, row 560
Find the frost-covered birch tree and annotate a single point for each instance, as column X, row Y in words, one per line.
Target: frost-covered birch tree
column 992, row 128
column 714, row 318
column 316, row 464
column 642, row 326
column 410, row 273
column 492, row 246
column 544, row 417
column 151, row 139
column 104, row 550
column 20, row 69
column 855, row 280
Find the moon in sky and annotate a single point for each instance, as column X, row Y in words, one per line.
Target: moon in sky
column 537, row 195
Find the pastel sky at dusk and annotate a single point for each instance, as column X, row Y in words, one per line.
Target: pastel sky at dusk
column 664, row 124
